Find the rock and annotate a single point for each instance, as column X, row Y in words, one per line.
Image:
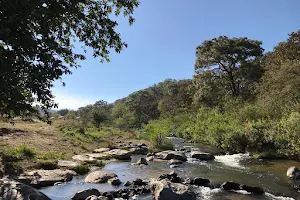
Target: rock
column 101, row 150
column 83, row 158
column 174, row 166
column 292, row 171
column 42, row 178
column 150, row 158
column 127, row 183
column 150, row 154
column 201, row 182
column 172, row 176
column 168, row 155
column 67, row 164
column 138, row 182
column 175, row 162
column 108, row 195
column 13, row 190
column 114, row 181
column 164, row 190
column 102, row 198
column 139, row 150
column 119, row 154
column 230, row 186
column 99, row 177
column 142, row 161
column 202, row 156
column 214, row 185
column 84, row 194
column 253, row 190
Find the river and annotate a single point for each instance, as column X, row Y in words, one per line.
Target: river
column 241, row 168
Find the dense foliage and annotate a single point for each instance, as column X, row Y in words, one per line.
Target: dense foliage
column 37, row 41
column 238, row 100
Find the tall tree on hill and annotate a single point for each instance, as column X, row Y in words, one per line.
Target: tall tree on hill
column 37, row 45
column 230, row 64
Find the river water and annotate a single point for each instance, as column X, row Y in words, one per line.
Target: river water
column 240, row 168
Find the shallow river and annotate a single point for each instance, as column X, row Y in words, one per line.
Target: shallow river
column 240, row 168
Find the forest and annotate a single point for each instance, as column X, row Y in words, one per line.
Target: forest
column 240, row 99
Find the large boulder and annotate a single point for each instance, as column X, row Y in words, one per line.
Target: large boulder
column 201, row 182
column 251, row 189
column 42, row 178
column 99, row 177
column 291, row 172
column 139, row 150
column 114, row 181
column 120, row 154
column 13, row 190
column 230, row 186
column 168, row 155
column 82, row 195
column 67, row 164
column 202, row 156
column 101, row 150
column 175, row 162
column 83, row 158
column 142, row 161
column 165, row 190
column 172, row 176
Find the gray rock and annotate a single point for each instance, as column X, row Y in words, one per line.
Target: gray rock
column 101, row 150
column 175, row 162
column 168, row 155
column 42, row 178
column 13, row 190
column 99, row 177
column 292, row 171
column 114, row 181
column 83, row 158
column 127, row 183
column 67, row 164
column 84, row 194
column 164, row 190
column 174, row 166
column 140, row 150
column 202, row 156
column 142, row 161
column 150, row 158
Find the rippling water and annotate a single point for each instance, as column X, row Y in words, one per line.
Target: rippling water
column 241, row 168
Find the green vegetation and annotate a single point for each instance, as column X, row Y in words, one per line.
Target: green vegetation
column 239, row 100
column 47, row 164
column 81, row 169
column 48, row 32
column 21, row 152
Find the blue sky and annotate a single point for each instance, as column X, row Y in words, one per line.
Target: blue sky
column 163, row 40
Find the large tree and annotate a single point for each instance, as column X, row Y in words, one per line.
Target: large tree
column 37, row 44
column 236, row 61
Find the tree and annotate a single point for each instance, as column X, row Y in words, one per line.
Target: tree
column 99, row 115
column 279, row 91
column 63, row 112
column 37, row 45
column 234, row 60
column 122, row 116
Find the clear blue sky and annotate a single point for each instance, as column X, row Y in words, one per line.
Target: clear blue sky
column 163, row 39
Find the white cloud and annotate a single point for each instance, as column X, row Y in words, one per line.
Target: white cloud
column 71, row 101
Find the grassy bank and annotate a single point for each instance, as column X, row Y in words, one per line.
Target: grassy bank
column 36, row 145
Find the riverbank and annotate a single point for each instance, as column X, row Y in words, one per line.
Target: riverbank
column 36, row 145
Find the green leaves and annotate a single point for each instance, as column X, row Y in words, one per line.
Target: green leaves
column 36, row 44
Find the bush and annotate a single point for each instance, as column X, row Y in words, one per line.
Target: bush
column 48, row 164
column 81, row 169
column 21, row 152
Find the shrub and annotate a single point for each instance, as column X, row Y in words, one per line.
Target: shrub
column 98, row 163
column 81, row 169
column 47, row 164
column 19, row 153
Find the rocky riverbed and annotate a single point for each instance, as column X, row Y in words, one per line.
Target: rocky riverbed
column 189, row 173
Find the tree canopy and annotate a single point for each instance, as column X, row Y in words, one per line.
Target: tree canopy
column 234, row 60
column 37, row 45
